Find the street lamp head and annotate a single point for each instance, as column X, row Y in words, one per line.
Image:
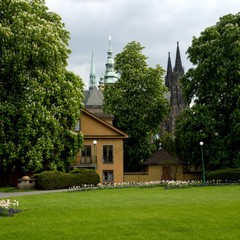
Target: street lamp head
column 95, row 142
column 201, row 143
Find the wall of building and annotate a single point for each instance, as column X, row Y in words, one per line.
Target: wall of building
column 100, row 166
column 92, row 127
column 95, row 129
column 154, row 173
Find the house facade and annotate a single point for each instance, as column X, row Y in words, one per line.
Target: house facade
column 160, row 166
column 163, row 166
column 102, row 148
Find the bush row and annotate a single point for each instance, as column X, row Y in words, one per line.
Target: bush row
column 50, row 180
column 225, row 175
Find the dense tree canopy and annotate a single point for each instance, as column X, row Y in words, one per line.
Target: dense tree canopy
column 39, row 100
column 137, row 101
column 215, row 85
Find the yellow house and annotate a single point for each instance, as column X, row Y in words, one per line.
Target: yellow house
column 160, row 166
column 102, row 148
column 163, row 166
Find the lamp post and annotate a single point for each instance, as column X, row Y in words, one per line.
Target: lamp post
column 203, row 167
column 95, row 155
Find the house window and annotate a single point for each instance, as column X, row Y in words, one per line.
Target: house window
column 107, row 176
column 107, row 154
column 77, row 126
column 86, row 154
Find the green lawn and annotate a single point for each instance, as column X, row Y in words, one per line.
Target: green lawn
column 132, row 213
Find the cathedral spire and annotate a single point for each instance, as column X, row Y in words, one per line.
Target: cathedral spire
column 168, row 77
column 175, row 95
column 110, row 75
column 178, row 62
column 92, row 76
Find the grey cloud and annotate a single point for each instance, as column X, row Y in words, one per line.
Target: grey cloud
column 157, row 25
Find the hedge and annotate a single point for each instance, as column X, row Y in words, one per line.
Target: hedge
column 225, row 175
column 49, row 180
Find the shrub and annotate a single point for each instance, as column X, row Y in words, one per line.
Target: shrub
column 82, row 170
column 57, row 180
column 225, row 175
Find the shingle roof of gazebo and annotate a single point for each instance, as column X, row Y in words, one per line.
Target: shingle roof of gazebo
column 162, row 157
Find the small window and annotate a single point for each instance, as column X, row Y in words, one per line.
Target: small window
column 107, row 154
column 107, row 176
column 86, row 154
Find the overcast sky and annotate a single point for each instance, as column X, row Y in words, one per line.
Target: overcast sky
column 156, row 24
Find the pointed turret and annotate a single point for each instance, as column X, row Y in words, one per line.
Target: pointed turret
column 92, row 76
column 168, row 77
column 110, row 75
column 178, row 62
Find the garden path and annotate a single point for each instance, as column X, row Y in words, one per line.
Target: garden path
column 17, row 194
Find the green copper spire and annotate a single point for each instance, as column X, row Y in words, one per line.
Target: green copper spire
column 110, row 75
column 92, row 75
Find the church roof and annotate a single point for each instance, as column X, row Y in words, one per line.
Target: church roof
column 162, row 157
column 93, row 97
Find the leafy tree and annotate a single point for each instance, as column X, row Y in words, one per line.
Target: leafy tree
column 40, row 100
column 215, row 84
column 137, row 101
column 168, row 143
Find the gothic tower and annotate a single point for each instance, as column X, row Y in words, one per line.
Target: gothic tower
column 177, row 102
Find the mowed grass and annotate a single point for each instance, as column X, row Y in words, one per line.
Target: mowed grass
column 132, row 213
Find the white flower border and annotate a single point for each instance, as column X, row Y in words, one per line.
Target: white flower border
column 168, row 184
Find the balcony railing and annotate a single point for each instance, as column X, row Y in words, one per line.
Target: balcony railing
column 87, row 160
column 82, row 161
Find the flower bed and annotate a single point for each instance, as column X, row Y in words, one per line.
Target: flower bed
column 8, row 208
column 167, row 184
column 86, row 187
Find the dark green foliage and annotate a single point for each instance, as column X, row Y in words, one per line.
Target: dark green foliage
column 57, row 180
column 40, row 100
column 137, row 101
column 82, row 170
column 214, row 83
column 225, row 175
column 168, row 143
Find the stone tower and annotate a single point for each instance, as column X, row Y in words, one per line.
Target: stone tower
column 176, row 100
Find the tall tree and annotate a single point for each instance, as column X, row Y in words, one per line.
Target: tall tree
column 215, row 84
column 40, row 100
column 137, row 101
